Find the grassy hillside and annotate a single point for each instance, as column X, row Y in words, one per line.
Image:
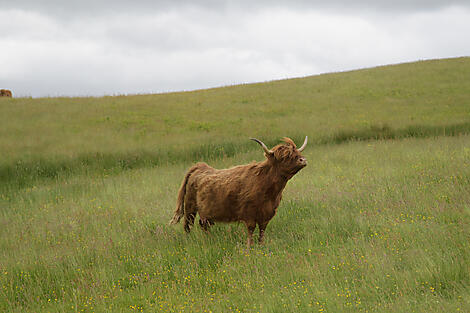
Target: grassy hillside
column 150, row 128
column 377, row 222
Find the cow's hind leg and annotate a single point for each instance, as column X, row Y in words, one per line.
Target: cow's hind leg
column 189, row 221
column 189, row 217
column 205, row 223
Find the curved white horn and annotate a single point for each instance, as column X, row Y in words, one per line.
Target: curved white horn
column 304, row 145
column 262, row 145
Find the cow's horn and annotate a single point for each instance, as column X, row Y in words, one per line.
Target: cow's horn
column 303, row 146
column 262, row 145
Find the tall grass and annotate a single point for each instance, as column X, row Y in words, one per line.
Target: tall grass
column 367, row 226
column 21, row 173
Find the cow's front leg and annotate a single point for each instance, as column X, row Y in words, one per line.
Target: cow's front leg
column 262, row 228
column 250, row 226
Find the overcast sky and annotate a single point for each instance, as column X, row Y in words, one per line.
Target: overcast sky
column 93, row 48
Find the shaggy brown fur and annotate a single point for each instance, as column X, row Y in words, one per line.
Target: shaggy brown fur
column 248, row 193
column 5, row 93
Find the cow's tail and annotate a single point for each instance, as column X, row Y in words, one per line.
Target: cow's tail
column 179, row 212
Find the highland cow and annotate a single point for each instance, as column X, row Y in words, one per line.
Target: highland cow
column 5, row 93
column 247, row 193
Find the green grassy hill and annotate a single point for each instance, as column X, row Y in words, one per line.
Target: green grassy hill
column 52, row 134
column 378, row 221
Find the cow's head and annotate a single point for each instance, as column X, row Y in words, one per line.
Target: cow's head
column 285, row 157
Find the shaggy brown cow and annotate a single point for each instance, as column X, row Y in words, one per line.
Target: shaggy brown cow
column 248, row 193
column 5, row 93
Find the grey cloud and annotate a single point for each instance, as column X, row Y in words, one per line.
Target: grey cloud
column 141, row 52
column 109, row 7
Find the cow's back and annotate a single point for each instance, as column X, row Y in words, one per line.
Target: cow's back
column 223, row 195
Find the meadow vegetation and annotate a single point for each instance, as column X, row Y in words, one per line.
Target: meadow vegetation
column 379, row 220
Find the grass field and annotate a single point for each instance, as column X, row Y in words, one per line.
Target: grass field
column 379, row 221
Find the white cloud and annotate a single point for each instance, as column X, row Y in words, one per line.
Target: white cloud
column 197, row 48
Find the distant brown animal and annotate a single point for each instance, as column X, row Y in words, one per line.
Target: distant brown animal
column 248, row 193
column 5, row 93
